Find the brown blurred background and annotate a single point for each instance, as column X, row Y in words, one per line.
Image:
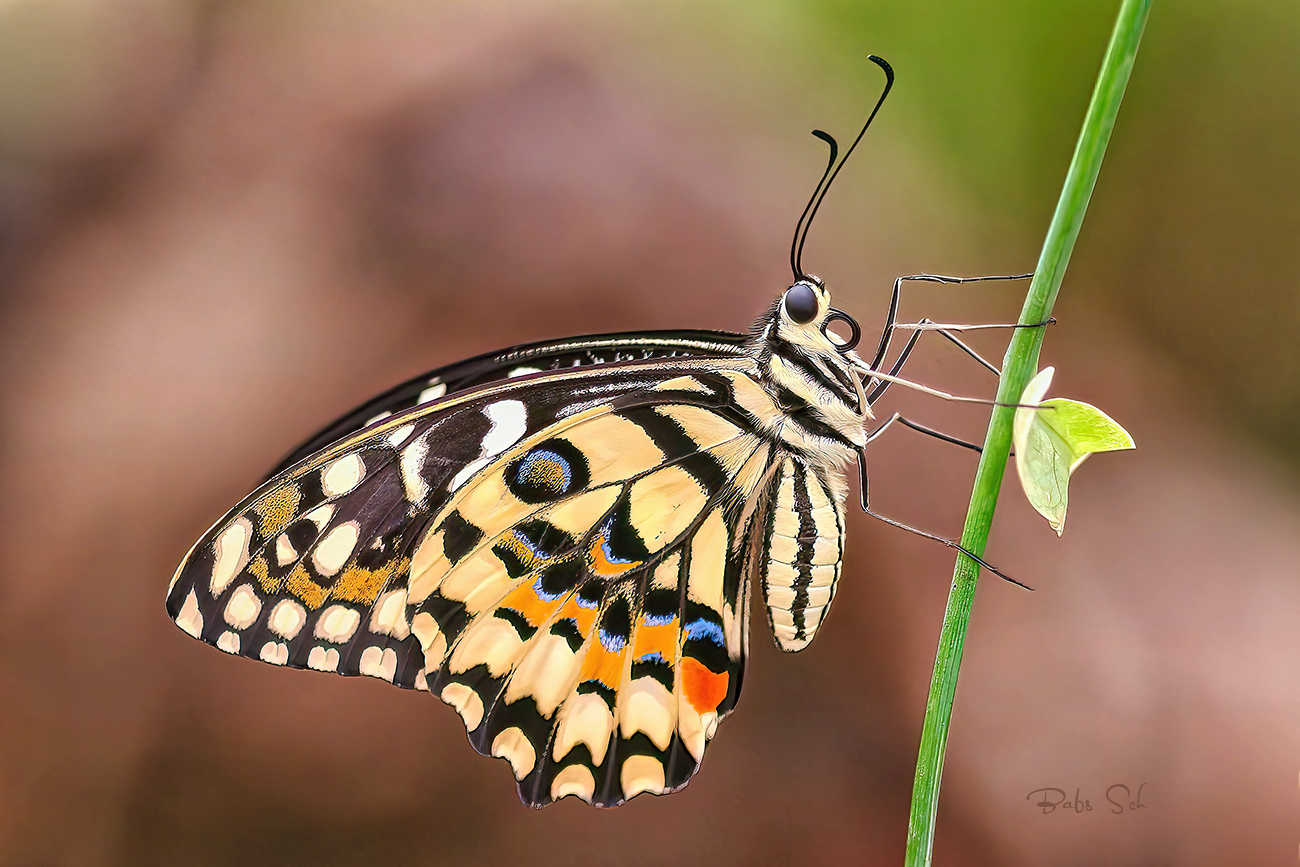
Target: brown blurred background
column 223, row 222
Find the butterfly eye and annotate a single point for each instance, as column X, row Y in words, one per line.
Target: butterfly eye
column 801, row 303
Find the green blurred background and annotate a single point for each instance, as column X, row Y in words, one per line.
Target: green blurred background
column 223, row 223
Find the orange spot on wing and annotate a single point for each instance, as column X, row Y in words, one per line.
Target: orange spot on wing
column 600, row 664
column 702, row 688
column 656, row 639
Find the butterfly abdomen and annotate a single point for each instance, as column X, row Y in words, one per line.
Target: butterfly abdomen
column 804, row 541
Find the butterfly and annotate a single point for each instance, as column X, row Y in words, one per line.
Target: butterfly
column 561, row 540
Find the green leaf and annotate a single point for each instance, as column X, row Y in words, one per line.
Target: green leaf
column 1052, row 441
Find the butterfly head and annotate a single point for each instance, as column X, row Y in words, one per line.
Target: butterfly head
column 803, row 316
column 811, row 371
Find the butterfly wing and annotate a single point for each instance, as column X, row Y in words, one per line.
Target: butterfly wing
column 519, row 361
column 564, row 558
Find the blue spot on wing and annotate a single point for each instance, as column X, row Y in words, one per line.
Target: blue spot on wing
column 702, row 628
column 611, row 642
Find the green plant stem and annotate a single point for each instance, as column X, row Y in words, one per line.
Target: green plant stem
column 1019, row 366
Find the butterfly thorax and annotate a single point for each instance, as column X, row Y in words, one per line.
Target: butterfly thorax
column 819, row 405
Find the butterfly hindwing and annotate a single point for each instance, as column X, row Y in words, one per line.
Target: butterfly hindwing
column 595, row 637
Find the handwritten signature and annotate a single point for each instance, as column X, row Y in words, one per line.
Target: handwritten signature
column 1120, row 797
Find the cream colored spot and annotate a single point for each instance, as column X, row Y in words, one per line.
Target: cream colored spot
column 320, row 516
column 397, row 437
column 664, row 504
column 420, row 682
column 231, row 549
column 287, row 618
column 379, row 662
column 376, row 418
column 466, row 702
column 574, row 780
column 426, row 631
column 708, row 561
column 683, row 383
column 284, row 550
column 513, row 746
column 335, row 549
column 190, row 619
column 691, row 729
column 228, row 641
column 338, row 623
column 647, row 706
column 390, row 615
column 547, row 673
column 433, row 392
column 522, row 371
column 343, row 475
column 642, row 774
column 275, row 653
column 243, row 607
column 492, row 642
column 585, row 719
column 323, row 659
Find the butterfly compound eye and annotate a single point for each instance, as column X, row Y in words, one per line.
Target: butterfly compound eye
column 801, row 303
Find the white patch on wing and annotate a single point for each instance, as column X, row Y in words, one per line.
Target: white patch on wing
column 397, row 437
column 275, row 653
column 338, row 623
column 190, row 619
column 228, row 641
column 433, row 392
column 379, row 662
column 522, row 371
column 243, row 607
column 335, row 549
column 287, row 618
column 343, row 475
column 412, row 461
column 320, row 516
column 390, row 615
column 231, row 549
column 509, row 423
column 323, row 659
column 284, row 550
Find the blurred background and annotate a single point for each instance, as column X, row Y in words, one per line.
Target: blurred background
column 224, row 222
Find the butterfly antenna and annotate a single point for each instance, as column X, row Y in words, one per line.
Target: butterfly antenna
column 801, row 228
column 796, row 244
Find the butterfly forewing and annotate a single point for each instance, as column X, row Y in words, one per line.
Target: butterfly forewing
column 517, row 361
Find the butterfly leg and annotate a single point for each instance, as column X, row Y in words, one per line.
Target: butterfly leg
column 886, row 335
column 899, row 418
column 864, row 492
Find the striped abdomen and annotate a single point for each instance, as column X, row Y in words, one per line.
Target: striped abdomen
column 804, row 544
